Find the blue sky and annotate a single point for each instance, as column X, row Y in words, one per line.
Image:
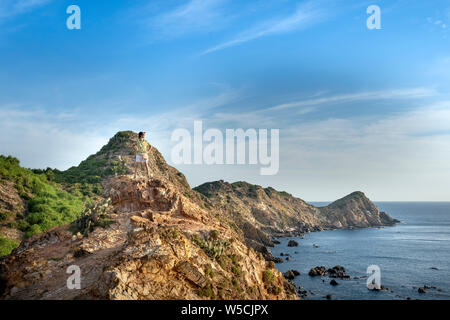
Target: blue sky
column 357, row 109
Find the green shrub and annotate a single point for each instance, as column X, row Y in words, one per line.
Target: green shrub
column 213, row 248
column 4, row 216
column 268, row 276
column 48, row 204
column 6, row 246
column 209, row 271
column 236, row 270
column 93, row 215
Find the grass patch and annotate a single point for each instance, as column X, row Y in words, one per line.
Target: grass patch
column 6, row 246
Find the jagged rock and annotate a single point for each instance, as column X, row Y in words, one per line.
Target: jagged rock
column 191, row 273
column 159, row 247
column 318, row 271
column 280, row 214
column 422, row 290
column 334, row 282
column 289, row 287
column 291, row 274
column 302, row 292
column 278, row 260
column 338, row 272
column 292, row 243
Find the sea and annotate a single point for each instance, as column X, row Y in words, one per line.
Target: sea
column 412, row 254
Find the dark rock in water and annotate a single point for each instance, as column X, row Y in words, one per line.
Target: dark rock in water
column 434, row 268
column 338, row 272
column 421, row 290
column 329, row 297
column 288, row 258
column 278, row 260
column 275, row 241
column 315, row 246
column 302, row 292
column 318, row 271
column 296, row 252
column 291, row 274
column 292, row 243
column 334, row 282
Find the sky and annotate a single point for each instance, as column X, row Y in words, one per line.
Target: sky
column 356, row 109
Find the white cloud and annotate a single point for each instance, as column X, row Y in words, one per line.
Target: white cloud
column 360, row 96
column 306, row 14
column 41, row 138
column 402, row 156
column 193, row 16
column 9, row 8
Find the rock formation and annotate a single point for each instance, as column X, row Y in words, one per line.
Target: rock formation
column 160, row 239
column 161, row 245
column 266, row 212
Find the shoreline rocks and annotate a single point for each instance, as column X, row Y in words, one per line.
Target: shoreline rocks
column 292, row 243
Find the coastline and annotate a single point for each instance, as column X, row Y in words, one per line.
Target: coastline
column 404, row 273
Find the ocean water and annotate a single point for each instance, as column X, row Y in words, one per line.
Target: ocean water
column 405, row 253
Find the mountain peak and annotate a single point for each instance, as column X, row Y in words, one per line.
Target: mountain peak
column 117, row 158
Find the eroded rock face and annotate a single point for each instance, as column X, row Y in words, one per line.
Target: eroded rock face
column 129, row 195
column 162, row 245
column 258, row 210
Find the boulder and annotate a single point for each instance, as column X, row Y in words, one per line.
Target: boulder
column 291, row 274
column 338, row 272
column 292, row 243
column 318, row 271
column 421, row 290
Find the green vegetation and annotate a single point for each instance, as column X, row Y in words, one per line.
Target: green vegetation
column 207, row 291
column 86, row 178
column 268, row 276
column 6, row 246
column 209, row 271
column 4, row 216
column 48, row 204
column 92, row 216
column 213, row 248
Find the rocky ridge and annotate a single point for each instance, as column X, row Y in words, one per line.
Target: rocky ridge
column 264, row 213
column 165, row 240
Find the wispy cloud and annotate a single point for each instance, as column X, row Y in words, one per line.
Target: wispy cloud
column 193, row 16
column 10, row 8
column 305, row 14
column 360, row 96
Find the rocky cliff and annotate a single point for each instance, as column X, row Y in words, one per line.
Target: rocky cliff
column 160, row 239
column 265, row 212
column 153, row 239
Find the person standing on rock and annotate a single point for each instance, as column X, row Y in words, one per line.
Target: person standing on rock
column 142, row 148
